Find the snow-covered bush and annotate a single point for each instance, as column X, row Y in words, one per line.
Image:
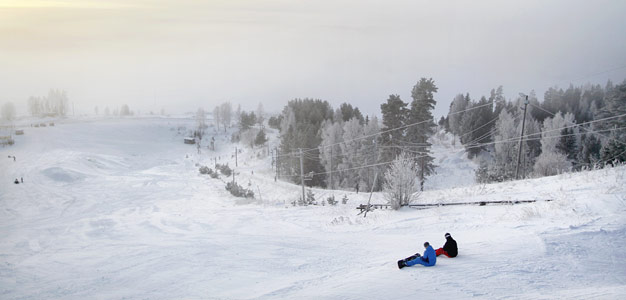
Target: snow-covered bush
column 399, row 188
column 331, row 200
column 224, row 169
column 238, row 191
column 551, row 163
column 344, row 200
column 204, row 170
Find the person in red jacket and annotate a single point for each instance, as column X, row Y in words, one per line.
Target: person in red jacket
column 449, row 249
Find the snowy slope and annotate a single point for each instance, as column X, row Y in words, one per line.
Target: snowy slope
column 452, row 167
column 116, row 209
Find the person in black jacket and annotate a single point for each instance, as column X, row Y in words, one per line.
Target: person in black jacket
column 449, row 249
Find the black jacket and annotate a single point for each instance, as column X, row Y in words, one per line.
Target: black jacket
column 450, row 247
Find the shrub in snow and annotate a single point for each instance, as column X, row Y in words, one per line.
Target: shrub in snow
column 399, row 188
column 238, row 191
column 224, row 169
column 344, row 200
column 309, row 200
column 205, row 170
column 331, row 200
column 551, row 163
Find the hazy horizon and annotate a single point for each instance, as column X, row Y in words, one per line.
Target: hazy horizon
column 181, row 55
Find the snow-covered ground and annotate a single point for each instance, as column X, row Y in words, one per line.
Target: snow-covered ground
column 114, row 209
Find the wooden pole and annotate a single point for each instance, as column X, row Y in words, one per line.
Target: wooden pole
column 302, row 175
column 370, row 199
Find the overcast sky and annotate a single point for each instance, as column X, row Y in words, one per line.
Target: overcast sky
column 182, row 54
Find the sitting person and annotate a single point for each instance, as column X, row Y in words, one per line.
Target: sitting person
column 449, row 248
column 428, row 259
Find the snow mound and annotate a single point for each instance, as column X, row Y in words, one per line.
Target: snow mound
column 63, row 175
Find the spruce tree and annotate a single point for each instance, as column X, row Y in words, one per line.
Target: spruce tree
column 615, row 149
column 394, row 115
column 417, row 135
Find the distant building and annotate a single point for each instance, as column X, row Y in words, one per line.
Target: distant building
column 190, row 140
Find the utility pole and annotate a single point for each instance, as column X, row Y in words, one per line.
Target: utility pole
column 235, row 156
column 277, row 168
column 371, row 192
column 521, row 137
column 302, row 175
column 331, row 168
column 422, row 157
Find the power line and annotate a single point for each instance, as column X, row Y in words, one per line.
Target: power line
column 552, row 130
column 604, row 136
column 397, row 128
column 593, row 74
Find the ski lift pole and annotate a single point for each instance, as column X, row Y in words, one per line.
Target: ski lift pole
column 371, row 192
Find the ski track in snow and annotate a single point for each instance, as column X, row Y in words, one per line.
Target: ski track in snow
column 115, row 209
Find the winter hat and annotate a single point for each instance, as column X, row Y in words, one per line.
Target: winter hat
column 447, row 235
column 426, row 244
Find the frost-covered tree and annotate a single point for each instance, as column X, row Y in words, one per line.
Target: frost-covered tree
column 216, row 117
column 531, row 147
column 400, row 181
column 330, row 150
column 300, row 130
column 246, row 120
column 226, row 110
column 200, row 124
column 457, row 108
column 369, row 152
column 55, row 103
column 552, row 161
column 351, row 153
column 238, row 112
column 506, row 147
column 260, row 114
column 124, row 110
column 615, row 148
column 589, row 154
column 8, row 111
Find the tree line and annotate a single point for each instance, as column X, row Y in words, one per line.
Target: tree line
column 565, row 132
column 341, row 148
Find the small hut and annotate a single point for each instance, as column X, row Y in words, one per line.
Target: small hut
column 190, row 140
